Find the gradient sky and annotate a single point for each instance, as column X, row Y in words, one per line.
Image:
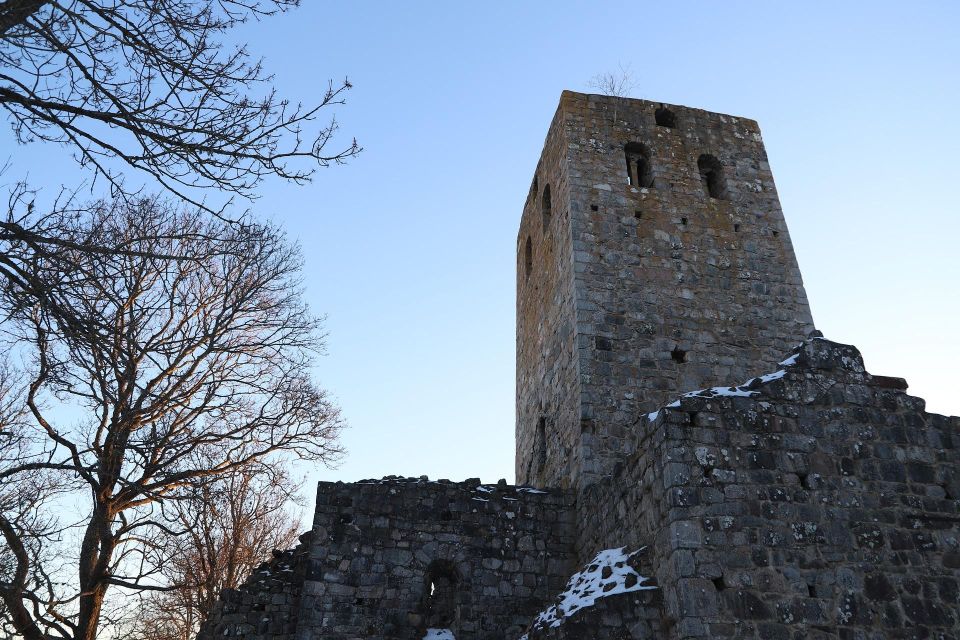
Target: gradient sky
column 410, row 248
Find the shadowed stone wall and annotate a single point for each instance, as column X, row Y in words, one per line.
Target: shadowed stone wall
column 548, row 380
column 825, row 505
column 267, row 605
column 494, row 554
column 390, row 558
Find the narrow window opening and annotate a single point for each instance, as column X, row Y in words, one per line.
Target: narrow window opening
column 736, row 228
column 639, row 169
column 683, row 221
column 711, row 175
column 541, row 443
column 644, row 173
column 439, row 604
column 776, row 233
column 546, row 207
column 719, row 584
column 528, row 257
column 638, row 214
column 665, row 118
column 812, row 590
column 678, row 355
column 594, row 207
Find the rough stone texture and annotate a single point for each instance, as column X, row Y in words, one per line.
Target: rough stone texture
column 825, row 503
column 495, row 554
column 630, row 616
column 818, row 502
column 267, row 605
column 548, row 380
column 633, row 616
column 639, row 293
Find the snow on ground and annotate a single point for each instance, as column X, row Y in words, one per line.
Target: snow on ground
column 439, row 634
column 608, row 574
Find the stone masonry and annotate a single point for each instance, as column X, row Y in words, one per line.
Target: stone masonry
column 639, row 288
column 706, row 465
column 391, row 558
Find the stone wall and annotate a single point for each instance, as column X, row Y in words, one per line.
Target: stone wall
column 267, row 605
column 824, row 505
column 818, row 501
column 548, row 382
column 673, row 289
column 636, row 616
column 493, row 553
column 610, row 598
column 391, row 558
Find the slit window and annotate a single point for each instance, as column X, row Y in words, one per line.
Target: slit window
column 528, row 257
column 546, row 207
column 541, row 444
column 665, row 118
column 711, row 175
column 639, row 169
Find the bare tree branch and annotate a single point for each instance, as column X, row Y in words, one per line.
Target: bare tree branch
column 231, row 527
column 149, row 85
column 618, row 83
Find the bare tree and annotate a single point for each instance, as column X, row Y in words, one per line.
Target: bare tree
column 149, row 84
column 156, row 370
column 618, row 83
column 231, row 526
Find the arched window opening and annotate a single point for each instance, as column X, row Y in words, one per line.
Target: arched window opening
column 639, row 169
column 440, row 594
column 665, row 118
column 546, row 207
column 711, row 175
column 528, row 257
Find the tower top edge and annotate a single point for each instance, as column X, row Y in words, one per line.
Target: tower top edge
column 576, row 99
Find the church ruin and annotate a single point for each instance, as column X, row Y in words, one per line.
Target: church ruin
column 693, row 459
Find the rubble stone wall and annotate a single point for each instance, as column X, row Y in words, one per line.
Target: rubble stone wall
column 823, row 506
column 493, row 553
column 267, row 605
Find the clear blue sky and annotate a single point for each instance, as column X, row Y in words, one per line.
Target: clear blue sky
column 410, row 248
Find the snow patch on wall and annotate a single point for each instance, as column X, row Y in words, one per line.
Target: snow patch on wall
column 608, row 574
column 746, row 390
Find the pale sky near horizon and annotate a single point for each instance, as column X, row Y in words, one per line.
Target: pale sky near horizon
column 410, row 248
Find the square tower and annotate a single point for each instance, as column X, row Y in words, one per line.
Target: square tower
column 652, row 259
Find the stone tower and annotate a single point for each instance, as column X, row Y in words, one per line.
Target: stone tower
column 652, row 259
column 815, row 501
